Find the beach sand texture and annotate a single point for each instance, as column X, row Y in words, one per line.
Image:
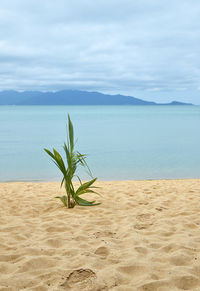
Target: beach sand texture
column 144, row 236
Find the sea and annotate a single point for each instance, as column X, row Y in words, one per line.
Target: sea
column 121, row 142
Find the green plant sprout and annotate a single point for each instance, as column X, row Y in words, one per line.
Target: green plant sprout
column 74, row 159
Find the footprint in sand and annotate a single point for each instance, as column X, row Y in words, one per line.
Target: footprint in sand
column 186, row 282
column 39, row 263
column 133, row 270
column 155, row 286
column 55, row 243
column 80, row 279
column 144, row 221
column 143, row 217
column 180, row 259
column 102, row 251
column 170, row 248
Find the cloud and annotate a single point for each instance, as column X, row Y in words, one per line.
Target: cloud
column 146, row 48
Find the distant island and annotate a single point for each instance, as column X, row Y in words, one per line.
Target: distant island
column 71, row 97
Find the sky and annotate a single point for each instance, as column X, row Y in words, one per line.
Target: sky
column 149, row 49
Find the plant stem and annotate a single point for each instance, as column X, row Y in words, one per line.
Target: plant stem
column 68, row 201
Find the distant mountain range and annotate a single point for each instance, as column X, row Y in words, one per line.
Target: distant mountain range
column 71, row 97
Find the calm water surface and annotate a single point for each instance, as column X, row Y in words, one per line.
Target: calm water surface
column 122, row 142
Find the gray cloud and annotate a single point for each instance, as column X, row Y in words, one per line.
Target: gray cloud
column 147, row 48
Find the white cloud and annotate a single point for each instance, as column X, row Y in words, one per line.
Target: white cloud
column 154, row 89
column 132, row 47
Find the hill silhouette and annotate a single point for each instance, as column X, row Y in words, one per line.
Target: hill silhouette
column 71, row 97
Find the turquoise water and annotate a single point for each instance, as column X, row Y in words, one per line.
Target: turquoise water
column 122, row 142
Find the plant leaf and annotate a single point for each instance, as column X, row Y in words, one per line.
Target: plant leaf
column 85, row 186
column 83, row 202
column 62, row 182
column 81, row 158
column 63, row 199
column 60, row 162
column 71, row 133
column 50, row 153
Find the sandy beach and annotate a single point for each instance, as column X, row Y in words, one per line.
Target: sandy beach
column 144, row 236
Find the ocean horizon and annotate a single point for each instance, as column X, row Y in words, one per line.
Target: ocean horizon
column 122, row 142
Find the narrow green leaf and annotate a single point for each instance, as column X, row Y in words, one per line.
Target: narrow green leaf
column 83, row 202
column 88, row 191
column 63, row 199
column 49, row 153
column 59, row 161
column 71, row 133
column 81, row 158
column 62, row 182
column 79, row 179
column 82, row 188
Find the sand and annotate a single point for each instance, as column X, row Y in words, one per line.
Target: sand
column 144, row 236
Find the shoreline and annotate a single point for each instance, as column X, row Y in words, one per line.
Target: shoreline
column 144, row 234
column 101, row 181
